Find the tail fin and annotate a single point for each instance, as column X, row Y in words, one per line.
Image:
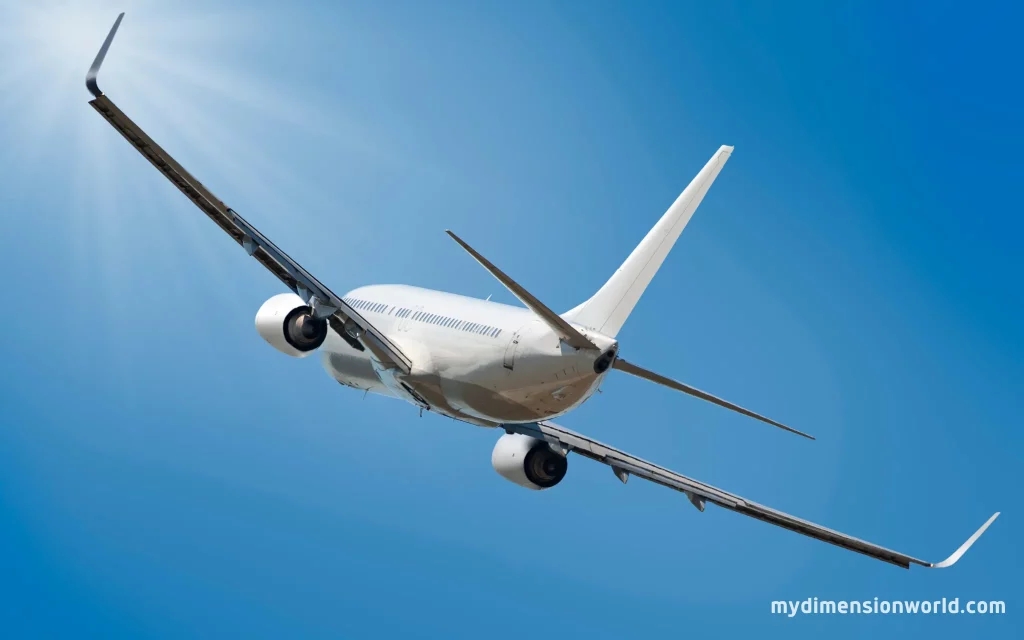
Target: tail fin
column 611, row 305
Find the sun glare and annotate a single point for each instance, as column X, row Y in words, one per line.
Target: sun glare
column 167, row 67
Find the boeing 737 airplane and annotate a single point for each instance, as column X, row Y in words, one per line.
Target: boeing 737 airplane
column 481, row 362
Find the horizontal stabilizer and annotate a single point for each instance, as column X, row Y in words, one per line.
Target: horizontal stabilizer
column 563, row 329
column 640, row 372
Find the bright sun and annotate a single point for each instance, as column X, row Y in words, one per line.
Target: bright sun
column 170, row 68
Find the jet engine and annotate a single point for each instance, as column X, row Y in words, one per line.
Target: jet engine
column 528, row 462
column 287, row 323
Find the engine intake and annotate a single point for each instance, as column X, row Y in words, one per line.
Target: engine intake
column 528, row 462
column 287, row 323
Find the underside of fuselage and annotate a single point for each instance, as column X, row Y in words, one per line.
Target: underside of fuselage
column 515, row 371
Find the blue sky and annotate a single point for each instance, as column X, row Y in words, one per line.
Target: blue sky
column 855, row 271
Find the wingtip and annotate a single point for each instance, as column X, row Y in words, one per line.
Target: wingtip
column 796, row 431
column 94, row 70
column 951, row 560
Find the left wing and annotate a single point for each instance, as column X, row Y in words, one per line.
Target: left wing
column 324, row 302
column 624, row 464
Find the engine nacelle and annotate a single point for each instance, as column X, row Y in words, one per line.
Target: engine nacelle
column 287, row 323
column 528, row 462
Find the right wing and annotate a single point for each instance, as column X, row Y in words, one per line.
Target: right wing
column 324, row 301
column 624, row 464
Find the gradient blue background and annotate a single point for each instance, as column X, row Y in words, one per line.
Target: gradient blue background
column 855, row 271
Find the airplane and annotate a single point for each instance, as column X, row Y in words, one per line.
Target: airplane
column 481, row 362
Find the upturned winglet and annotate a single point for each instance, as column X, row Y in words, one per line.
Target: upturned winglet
column 951, row 560
column 94, row 70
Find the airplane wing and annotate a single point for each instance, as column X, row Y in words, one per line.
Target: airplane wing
column 324, row 302
column 699, row 493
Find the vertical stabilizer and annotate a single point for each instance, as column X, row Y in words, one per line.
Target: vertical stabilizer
column 608, row 309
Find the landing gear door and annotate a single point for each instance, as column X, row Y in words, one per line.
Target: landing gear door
column 510, row 350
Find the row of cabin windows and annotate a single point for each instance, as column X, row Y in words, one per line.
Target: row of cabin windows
column 364, row 305
column 430, row 318
column 449, row 322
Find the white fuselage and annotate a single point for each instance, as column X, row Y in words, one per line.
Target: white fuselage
column 474, row 360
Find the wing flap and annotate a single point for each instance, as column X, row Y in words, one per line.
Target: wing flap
column 698, row 492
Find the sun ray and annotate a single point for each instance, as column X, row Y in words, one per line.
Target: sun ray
column 186, row 73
